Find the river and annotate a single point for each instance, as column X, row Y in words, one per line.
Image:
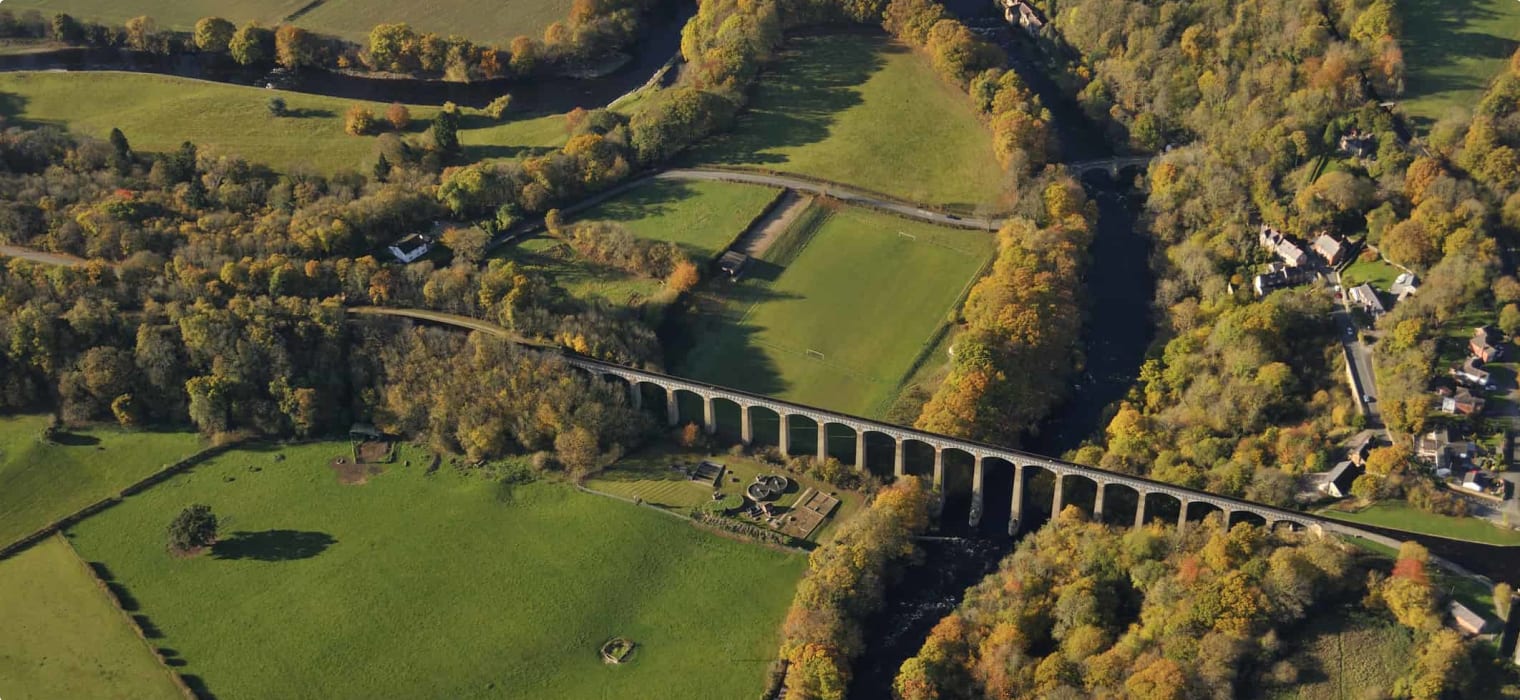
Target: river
column 658, row 42
column 1117, row 331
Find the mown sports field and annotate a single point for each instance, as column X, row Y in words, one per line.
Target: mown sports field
column 837, row 311
column 1453, row 50
column 41, row 482
column 495, row 22
column 64, row 639
column 158, row 113
column 867, row 112
column 447, row 584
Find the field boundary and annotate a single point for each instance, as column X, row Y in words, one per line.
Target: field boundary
column 161, row 475
column 105, row 589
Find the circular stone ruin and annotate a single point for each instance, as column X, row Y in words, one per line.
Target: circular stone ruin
column 767, row 488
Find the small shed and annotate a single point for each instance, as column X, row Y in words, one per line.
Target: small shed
column 1465, row 620
column 364, row 431
column 733, row 263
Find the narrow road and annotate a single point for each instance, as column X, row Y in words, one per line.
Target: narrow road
column 1360, row 359
column 10, row 251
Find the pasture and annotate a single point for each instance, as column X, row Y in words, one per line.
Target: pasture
column 41, row 482
column 351, row 19
column 701, row 217
column 836, row 312
column 863, row 111
column 158, row 113
column 442, row 584
column 64, row 639
column 1453, row 50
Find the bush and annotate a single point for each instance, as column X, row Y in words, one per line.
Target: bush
column 359, row 121
column 276, row 107
column 498, row 108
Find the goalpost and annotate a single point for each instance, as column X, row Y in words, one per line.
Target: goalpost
column 907, row 235
column 815, row 353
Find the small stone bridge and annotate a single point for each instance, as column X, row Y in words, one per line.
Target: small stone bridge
column 1111, row 165
column 1193, row 504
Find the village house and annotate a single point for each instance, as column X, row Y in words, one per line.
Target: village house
column 1366, row 297
column 1471, row 373
column 1360, row 447
column 1338, row 481
column 1465, row 620
column 1462, row 403
column 1282, row 246
column 1023, row 14
column 1358, row 143
column 1330, row 249
column 1279, row 276
column 1431, row 447
column 1485, row 344
column 411, row 248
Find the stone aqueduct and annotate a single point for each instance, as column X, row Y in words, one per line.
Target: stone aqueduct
column 982, row 454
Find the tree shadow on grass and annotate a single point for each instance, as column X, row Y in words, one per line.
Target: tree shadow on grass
column 273, row 545
column 198, row 686
column 798, row 102
column 74, row 439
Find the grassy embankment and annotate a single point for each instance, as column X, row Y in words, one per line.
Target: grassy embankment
column 836, row 313
column 158, row 113
column 1402, row 516
column 41, row 482
column 438, row 584
column 351, row 19
column 867, row 112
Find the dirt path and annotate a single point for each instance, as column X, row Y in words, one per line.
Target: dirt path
column 40, row 256
column 759, row 237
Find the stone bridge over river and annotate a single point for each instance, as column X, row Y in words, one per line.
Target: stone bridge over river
column 1193, row 504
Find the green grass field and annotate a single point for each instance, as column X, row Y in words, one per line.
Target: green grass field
column 1342, row 656
column 580, row 279
column 64, row 639
column 352, row 19
column 647, row 475
column 40, row 483
column 1453, row 50
column 441, row 585
column 702, row 217
column 859, row 291
column 866, row 112
column 158, row 113
column 1402, row 516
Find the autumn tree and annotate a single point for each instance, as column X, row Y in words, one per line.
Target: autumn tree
column 359, row 121
column 399, row 116
column 195, row 527
column 250, row 44
column 213, row 34
column 294, row 47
